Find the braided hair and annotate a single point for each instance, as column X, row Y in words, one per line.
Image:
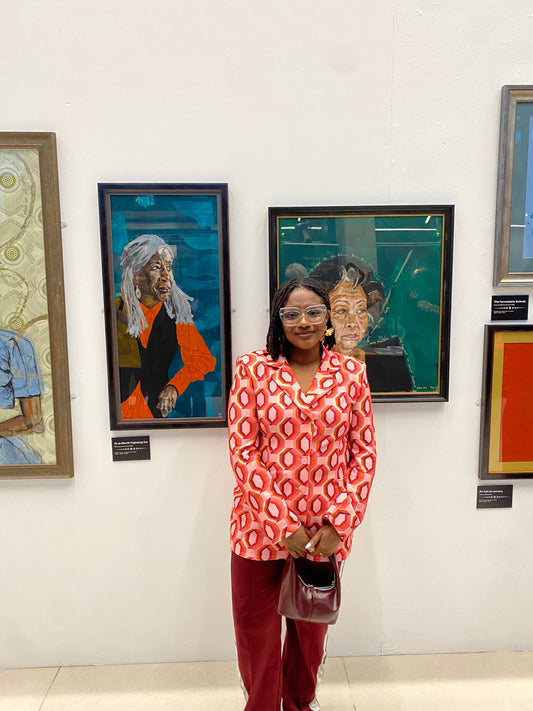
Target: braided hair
column 276, row 342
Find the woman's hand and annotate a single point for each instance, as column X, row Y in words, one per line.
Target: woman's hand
column 325, row 541
column 297, row 541
column 167, row 399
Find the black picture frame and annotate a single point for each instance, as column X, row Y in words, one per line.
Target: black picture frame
column 194, row 356
column 405, row 253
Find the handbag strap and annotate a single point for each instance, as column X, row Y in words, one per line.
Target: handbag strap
column 335, row 564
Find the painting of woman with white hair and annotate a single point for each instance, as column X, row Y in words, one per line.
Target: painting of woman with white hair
column 157, row 317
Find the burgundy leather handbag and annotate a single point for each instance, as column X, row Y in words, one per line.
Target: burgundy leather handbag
column 310, row 590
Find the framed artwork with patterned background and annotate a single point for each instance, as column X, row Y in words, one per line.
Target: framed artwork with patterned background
column 35, row 421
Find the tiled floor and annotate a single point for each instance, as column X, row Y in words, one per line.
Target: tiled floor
column 441, row 682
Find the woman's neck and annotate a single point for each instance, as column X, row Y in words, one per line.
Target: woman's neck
column 304, row 357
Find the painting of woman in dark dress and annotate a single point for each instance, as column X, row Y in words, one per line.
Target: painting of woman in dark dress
column 161, row 352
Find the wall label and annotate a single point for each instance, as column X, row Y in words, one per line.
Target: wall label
column 509, row 307
column 130, row 448
column 495, row 497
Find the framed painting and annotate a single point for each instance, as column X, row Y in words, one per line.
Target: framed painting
column 388, row 273
column 513, row 258
column 35, row 421
column 506, row 445
column 165, row 258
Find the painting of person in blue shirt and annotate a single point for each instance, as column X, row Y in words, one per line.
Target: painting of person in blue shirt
column 21, row 387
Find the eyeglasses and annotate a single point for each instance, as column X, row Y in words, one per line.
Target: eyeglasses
column 291, row 316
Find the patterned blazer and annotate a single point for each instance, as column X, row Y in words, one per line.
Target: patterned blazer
column 298, row 458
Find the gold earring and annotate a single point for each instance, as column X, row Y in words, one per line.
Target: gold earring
column 329, row 331
column 138, row 293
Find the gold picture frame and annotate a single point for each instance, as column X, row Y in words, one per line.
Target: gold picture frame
column 506, row 449
column 513, row 254
column 35, row 417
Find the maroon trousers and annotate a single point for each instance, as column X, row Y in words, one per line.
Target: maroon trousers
column 268, row 675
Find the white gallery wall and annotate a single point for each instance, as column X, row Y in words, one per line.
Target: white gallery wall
column 291, row 102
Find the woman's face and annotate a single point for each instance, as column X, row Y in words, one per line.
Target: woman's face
column 303, row 335
column 349, row 316
column 155, row 279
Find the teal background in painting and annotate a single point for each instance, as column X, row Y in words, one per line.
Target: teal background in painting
column 189, row 224
column 405, row 255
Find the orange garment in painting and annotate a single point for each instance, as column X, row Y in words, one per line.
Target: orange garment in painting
column 516, row 444
column 298, row 459
column 145, row 362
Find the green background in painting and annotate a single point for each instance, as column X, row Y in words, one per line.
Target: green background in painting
column 405, row 254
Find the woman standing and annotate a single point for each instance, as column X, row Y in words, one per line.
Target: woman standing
column 302, row 448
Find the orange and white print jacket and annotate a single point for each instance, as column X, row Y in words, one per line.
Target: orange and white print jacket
column 298, row 458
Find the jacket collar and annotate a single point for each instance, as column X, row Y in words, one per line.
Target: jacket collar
column 325, row 378
column 330, row 361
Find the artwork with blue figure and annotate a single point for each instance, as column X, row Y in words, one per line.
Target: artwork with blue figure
column 21, row 386
column 521, row 217
column 527, row 252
